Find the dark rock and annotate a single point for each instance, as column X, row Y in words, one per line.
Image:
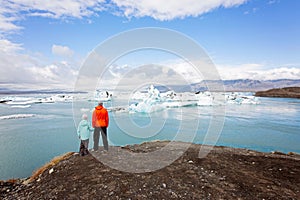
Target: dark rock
column 288, row 92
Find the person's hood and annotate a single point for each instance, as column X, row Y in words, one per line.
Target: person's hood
column 98, row 107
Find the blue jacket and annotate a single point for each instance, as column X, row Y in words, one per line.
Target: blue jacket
column 84, row 129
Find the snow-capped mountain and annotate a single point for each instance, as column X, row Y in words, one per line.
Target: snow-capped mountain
column 244, row 84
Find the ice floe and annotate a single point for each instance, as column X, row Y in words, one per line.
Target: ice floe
column 25, row 102
column 153, row 100
column 16, row 116
column 103, row 96
column 21, row 106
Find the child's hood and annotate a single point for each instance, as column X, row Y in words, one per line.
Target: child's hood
column 84, row 123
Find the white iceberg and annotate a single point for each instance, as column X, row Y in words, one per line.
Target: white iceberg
column 103, row 96
column 204, row 99
column 150, row 102
column 153, row 100
column 238, row 98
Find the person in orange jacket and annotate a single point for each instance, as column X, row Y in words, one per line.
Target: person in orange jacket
column 100, row 121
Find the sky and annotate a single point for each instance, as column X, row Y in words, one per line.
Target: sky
column 44, row 43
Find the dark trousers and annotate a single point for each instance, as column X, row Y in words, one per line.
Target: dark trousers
column 83, row 150
column 103, row 131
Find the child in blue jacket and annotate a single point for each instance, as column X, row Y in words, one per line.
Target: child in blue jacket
column 84, row 131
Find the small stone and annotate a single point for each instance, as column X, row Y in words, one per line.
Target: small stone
column 253, row 163
column 51, row 171
column 111, row 193
column 277, row 153
column 190, row 161
column 174, row 195
column 39, row 179
column 8, row 190
column 164, row 185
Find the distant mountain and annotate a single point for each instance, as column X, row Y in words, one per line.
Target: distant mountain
column 243, row 85
column 239, row 85
column 257, row 85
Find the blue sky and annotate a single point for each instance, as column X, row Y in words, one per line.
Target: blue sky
column 44, row 43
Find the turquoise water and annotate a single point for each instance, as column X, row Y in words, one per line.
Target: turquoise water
column 48, row 130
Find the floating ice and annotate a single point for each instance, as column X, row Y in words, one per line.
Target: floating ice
column 16, row 116
column 139, row 96
column 117, row 109
column 204, row 99
column 85, row 110
column 27, row 101
column 103, row 96
column 57, row 98
column 21, row 106
column 237, row 98
column 153, row 100
column 150, row 102
column 21, row 100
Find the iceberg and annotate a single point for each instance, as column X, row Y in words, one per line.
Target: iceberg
column 145, row 107
column 139, row 96
column 57, row 98
column 27, row 101
column 103, row 96
column 237, row 98
column 150, row 102
column 204, row 99
column 153, row 100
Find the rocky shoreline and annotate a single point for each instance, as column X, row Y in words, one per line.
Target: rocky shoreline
column 288, row 92
column 225, row 173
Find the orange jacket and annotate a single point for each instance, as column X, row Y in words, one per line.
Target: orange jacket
column 100, row 117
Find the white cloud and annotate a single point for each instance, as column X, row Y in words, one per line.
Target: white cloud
column 9, row 47
column 171, row 9
column 272, row 1
column 178, row 72
column 16, row 10
column 171, row 72
column 63, row 51
column 10, row 11
column 279, row 73
column 20, row 69
column 258, row 72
